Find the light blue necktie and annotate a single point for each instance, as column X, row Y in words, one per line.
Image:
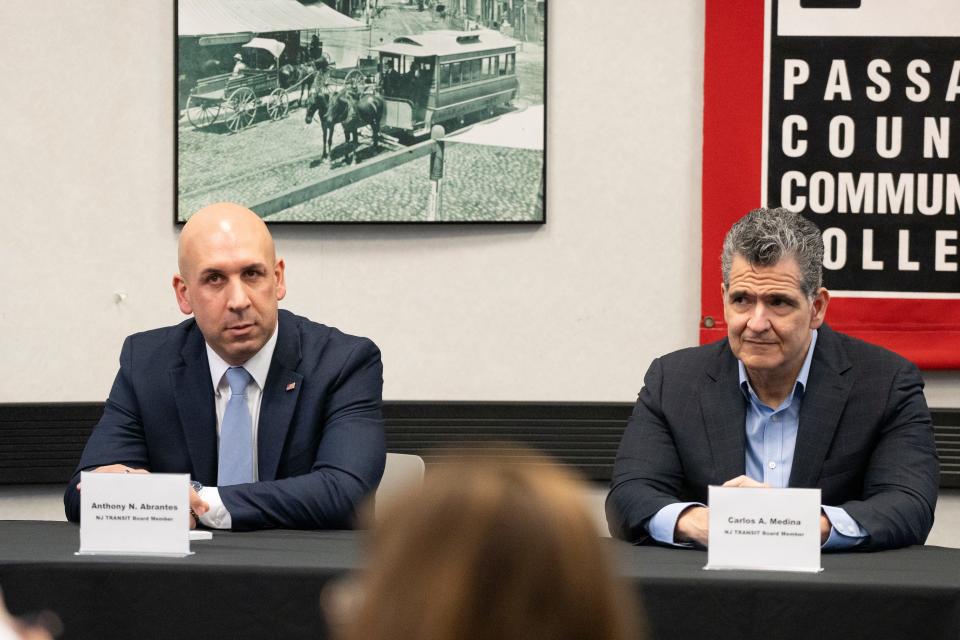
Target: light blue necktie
column 235, row 465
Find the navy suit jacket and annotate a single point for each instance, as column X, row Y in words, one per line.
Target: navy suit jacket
column 320, row 440
column 865, row 438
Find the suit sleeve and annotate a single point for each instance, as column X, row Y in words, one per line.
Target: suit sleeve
column 117, row 438
column 647, row 473
column 348, row 465
column 903, row 472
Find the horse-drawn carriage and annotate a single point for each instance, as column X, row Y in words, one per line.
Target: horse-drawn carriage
column 234, row 98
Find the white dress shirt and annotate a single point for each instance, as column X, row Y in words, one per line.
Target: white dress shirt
column 258, row 366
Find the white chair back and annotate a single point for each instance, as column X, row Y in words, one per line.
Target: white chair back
column 402, row 472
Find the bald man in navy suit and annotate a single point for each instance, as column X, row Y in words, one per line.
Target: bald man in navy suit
column 312, row 438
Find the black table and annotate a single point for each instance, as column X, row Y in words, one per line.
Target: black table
column 267, row 585
column 911, row 593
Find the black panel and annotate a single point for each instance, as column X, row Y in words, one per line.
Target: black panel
column 947, row 433
column 582, row 435
column 41, row 443
column 829, row 4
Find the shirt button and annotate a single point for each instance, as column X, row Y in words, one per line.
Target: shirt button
column 775, row 418
column 772, row 465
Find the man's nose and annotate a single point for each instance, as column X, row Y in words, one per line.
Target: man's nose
column 758, row 322
column 237, row 300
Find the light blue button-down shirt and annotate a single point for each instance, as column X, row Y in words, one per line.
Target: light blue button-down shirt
column 770, row 443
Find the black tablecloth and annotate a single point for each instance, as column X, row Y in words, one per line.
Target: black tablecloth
column 239, row 585
column 911, row 593
column 267, row 585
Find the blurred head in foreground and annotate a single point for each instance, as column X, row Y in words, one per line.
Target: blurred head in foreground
column 490, row 550
column 44, row 626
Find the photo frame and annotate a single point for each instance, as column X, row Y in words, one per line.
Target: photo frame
column 362, row 111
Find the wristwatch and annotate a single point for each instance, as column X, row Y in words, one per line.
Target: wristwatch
column 197, row 486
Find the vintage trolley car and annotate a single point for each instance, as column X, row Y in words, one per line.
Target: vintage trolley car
column 439, row 77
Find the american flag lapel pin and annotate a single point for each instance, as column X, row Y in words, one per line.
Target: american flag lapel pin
column 291, row 386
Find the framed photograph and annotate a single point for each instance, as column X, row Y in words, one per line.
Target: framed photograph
column 363, row 111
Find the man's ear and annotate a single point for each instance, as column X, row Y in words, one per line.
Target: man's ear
column 818, row 309
column 180, row 289
column 278, row 271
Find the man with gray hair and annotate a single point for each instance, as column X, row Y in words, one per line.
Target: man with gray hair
column 782, row 401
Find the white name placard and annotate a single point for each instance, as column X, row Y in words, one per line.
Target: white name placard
column 134, row 514
column 764, row 529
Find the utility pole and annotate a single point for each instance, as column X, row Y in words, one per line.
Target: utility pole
column 435, row 201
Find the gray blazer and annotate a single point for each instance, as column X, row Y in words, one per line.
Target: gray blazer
column 865, row 439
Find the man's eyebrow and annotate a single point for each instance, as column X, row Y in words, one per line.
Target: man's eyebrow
column 260, row 266
column 785, row 295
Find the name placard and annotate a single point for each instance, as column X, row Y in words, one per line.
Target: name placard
column 764, row 529
column 134, row 514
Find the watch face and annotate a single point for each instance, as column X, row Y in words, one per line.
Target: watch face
column 196, row 486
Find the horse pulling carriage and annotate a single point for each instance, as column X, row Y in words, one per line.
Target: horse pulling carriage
column 234, row 98
column 349, row 98
column 417, row 81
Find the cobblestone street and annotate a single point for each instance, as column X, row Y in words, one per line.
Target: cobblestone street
column 256, row 163
column 484, row 184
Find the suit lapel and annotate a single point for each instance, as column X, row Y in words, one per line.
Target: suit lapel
column 280, row 394
column 193, row 394
column 823, row 402
column 722, row 404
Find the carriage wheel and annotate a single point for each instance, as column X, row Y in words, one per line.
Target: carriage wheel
column 355, row 80
column 278, row 105
column 202, row 113
column 242, row 109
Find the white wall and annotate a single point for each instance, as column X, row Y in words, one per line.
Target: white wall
column 573, row 310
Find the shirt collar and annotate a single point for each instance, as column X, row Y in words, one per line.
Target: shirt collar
column 801, row 383
column 258, row 366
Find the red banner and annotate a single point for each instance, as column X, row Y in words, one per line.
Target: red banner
column 856, row 109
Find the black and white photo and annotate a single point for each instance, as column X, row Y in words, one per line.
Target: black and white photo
column 362, row 111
